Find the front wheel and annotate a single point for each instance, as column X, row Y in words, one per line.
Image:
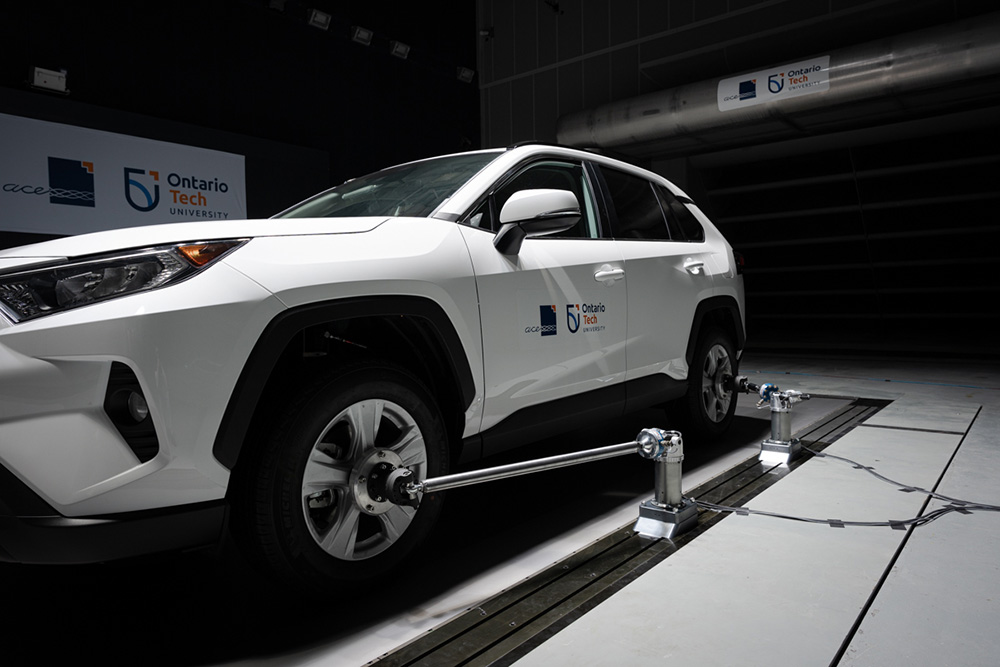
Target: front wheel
column 710, row 404
column 319, row 516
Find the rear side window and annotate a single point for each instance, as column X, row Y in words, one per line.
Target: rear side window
column 684, row 226
column 637, row 211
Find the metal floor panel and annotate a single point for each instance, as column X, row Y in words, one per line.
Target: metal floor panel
column 940, row 603
column 509, row 625
column 942, row 417
column 776, row 592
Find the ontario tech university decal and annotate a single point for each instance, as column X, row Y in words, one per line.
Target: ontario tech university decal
column 585, row 318
column 580, row 318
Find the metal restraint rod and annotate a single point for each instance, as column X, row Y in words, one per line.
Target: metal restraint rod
column 446, row 482
column 666, row 515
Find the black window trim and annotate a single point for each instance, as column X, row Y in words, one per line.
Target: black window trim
column 612, row 215
column 670, row 218
column 596, row 189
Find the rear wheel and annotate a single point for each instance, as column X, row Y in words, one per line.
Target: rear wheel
column 710, row 404
column 316, row 509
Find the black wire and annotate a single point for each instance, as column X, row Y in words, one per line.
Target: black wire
column 954, row 504
column 837, row 523
column 901, row 487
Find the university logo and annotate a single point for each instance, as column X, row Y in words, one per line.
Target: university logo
column 547, row 320
column 573, row 317
column 142, row 191
column 71, row 182
column 748, row 89
column 776, row 83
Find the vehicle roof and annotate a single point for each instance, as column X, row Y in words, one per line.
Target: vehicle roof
column 513, row 155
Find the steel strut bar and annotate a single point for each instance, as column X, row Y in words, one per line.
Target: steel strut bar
column 456, row 480
column 666, row 515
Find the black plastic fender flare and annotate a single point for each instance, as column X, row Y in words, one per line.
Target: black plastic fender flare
column 726, row 304
column 277, row 334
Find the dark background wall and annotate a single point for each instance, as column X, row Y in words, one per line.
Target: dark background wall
column 889, row 239
column 546, row 58
column 876, row 234
column 308, row 108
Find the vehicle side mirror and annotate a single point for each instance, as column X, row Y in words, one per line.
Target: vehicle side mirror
column 531, row 213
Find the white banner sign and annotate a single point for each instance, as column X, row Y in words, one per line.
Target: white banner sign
column 771, row 85
column 62, row 179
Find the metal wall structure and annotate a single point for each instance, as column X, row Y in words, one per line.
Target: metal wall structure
column 867, row 230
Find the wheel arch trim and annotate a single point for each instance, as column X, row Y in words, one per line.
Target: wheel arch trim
column 280, row 331
column 723, row 304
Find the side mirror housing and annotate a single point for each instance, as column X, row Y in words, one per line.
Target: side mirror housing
column 531, row 213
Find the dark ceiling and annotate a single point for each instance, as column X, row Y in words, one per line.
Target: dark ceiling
column 244, row 67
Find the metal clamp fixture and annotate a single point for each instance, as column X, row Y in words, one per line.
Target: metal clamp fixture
column 781, row 447
column 666, row 515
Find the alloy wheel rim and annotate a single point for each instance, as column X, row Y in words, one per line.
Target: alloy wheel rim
column 345, row 518
column 715, row 398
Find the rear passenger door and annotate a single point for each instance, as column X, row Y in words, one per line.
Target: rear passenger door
column 667, row 271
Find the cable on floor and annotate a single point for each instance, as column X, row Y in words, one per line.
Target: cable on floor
column 954, row 504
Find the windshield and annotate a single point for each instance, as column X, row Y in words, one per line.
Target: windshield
column 414, row 189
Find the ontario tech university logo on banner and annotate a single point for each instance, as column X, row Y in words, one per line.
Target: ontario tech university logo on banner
column 71, row 182
column 137, row 194
column 805, row 77
column 189, row 196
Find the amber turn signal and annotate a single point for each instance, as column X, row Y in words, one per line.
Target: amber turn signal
column 201, row 254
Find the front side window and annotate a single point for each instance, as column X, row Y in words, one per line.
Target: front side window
column 414, row 189
column 547, row 174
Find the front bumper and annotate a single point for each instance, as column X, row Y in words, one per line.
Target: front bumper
column 31, row 531
column 186, row 345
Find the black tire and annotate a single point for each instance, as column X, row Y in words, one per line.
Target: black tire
column 710, row 404
column 310, row 515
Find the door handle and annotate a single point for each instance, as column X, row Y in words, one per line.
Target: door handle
column 608, row 275
column 694, row 267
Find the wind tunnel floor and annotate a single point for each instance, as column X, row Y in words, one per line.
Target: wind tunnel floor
column 511, row 624
column 749, row 590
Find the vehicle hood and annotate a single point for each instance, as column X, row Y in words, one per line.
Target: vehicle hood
column 183, row 232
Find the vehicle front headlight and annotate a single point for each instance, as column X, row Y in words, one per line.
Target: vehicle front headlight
column 26, row 295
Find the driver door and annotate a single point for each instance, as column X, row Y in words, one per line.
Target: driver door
column 553, row 316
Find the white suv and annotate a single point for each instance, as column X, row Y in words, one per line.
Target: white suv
column 168, row 386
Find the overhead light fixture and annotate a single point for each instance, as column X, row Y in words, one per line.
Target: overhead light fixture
column 465, row 74
column 276, row 5
column 48, row 79
column 361, row 35
column 399, row 49
column 318, row 19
